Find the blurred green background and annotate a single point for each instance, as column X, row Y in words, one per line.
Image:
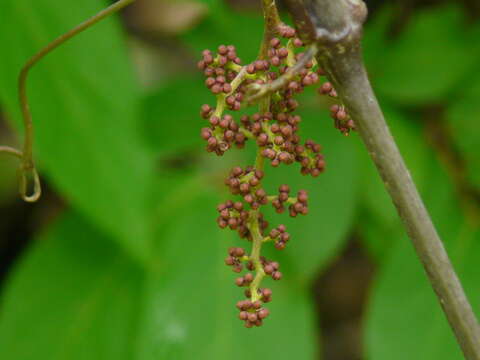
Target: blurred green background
column 122, row 258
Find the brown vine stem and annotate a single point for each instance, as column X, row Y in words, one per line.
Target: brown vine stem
column 27, row 168
column 335, row 26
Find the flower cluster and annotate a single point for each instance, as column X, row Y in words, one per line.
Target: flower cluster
column 341, row 119
column 274, row 129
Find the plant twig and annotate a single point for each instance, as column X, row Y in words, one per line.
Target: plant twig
column 27, row 170
column 335, row 26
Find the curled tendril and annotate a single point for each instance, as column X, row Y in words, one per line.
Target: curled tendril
column 24, row 174
column 28, row 174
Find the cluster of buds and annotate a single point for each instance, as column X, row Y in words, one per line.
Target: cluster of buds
column 298, row 205
column 234, row 216
column 216, row 69
column 252, row 312
column 223, row 133
column 341, row 119
column 281, row 237
column 234, row 258
column 312, row 161
column 274, row 129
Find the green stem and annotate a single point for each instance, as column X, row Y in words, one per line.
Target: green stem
column 27, row 168
column 221, row 104
column 220, row 108
column 272, row 22
column 290, row 200
column 259, row 161
column 254, row 226
column 247, row 133
column 257, row 239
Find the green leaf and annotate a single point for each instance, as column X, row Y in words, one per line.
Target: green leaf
column 176, row 127
column 404, row 302
column 76, row 296
column 462, row 120
column 73, row 296
column 405, row 319
column 8, row 169
column 378, row 237
column 84, row 103
column 429, row 59
column 224, row 25
column 190, row 300
column 375, row 38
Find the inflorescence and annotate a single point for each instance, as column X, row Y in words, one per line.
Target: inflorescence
column 274, row 130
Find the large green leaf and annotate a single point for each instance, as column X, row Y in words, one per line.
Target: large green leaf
column 84, row 104
column 404, row 318
column 428, row 59
column 190, row 300
column 463, row 115
column 76, row 296
column 73, row 296
column 176, row 127
column 223, row 25
column 8, row 169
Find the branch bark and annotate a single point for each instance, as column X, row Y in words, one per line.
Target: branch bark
column 335, row 26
